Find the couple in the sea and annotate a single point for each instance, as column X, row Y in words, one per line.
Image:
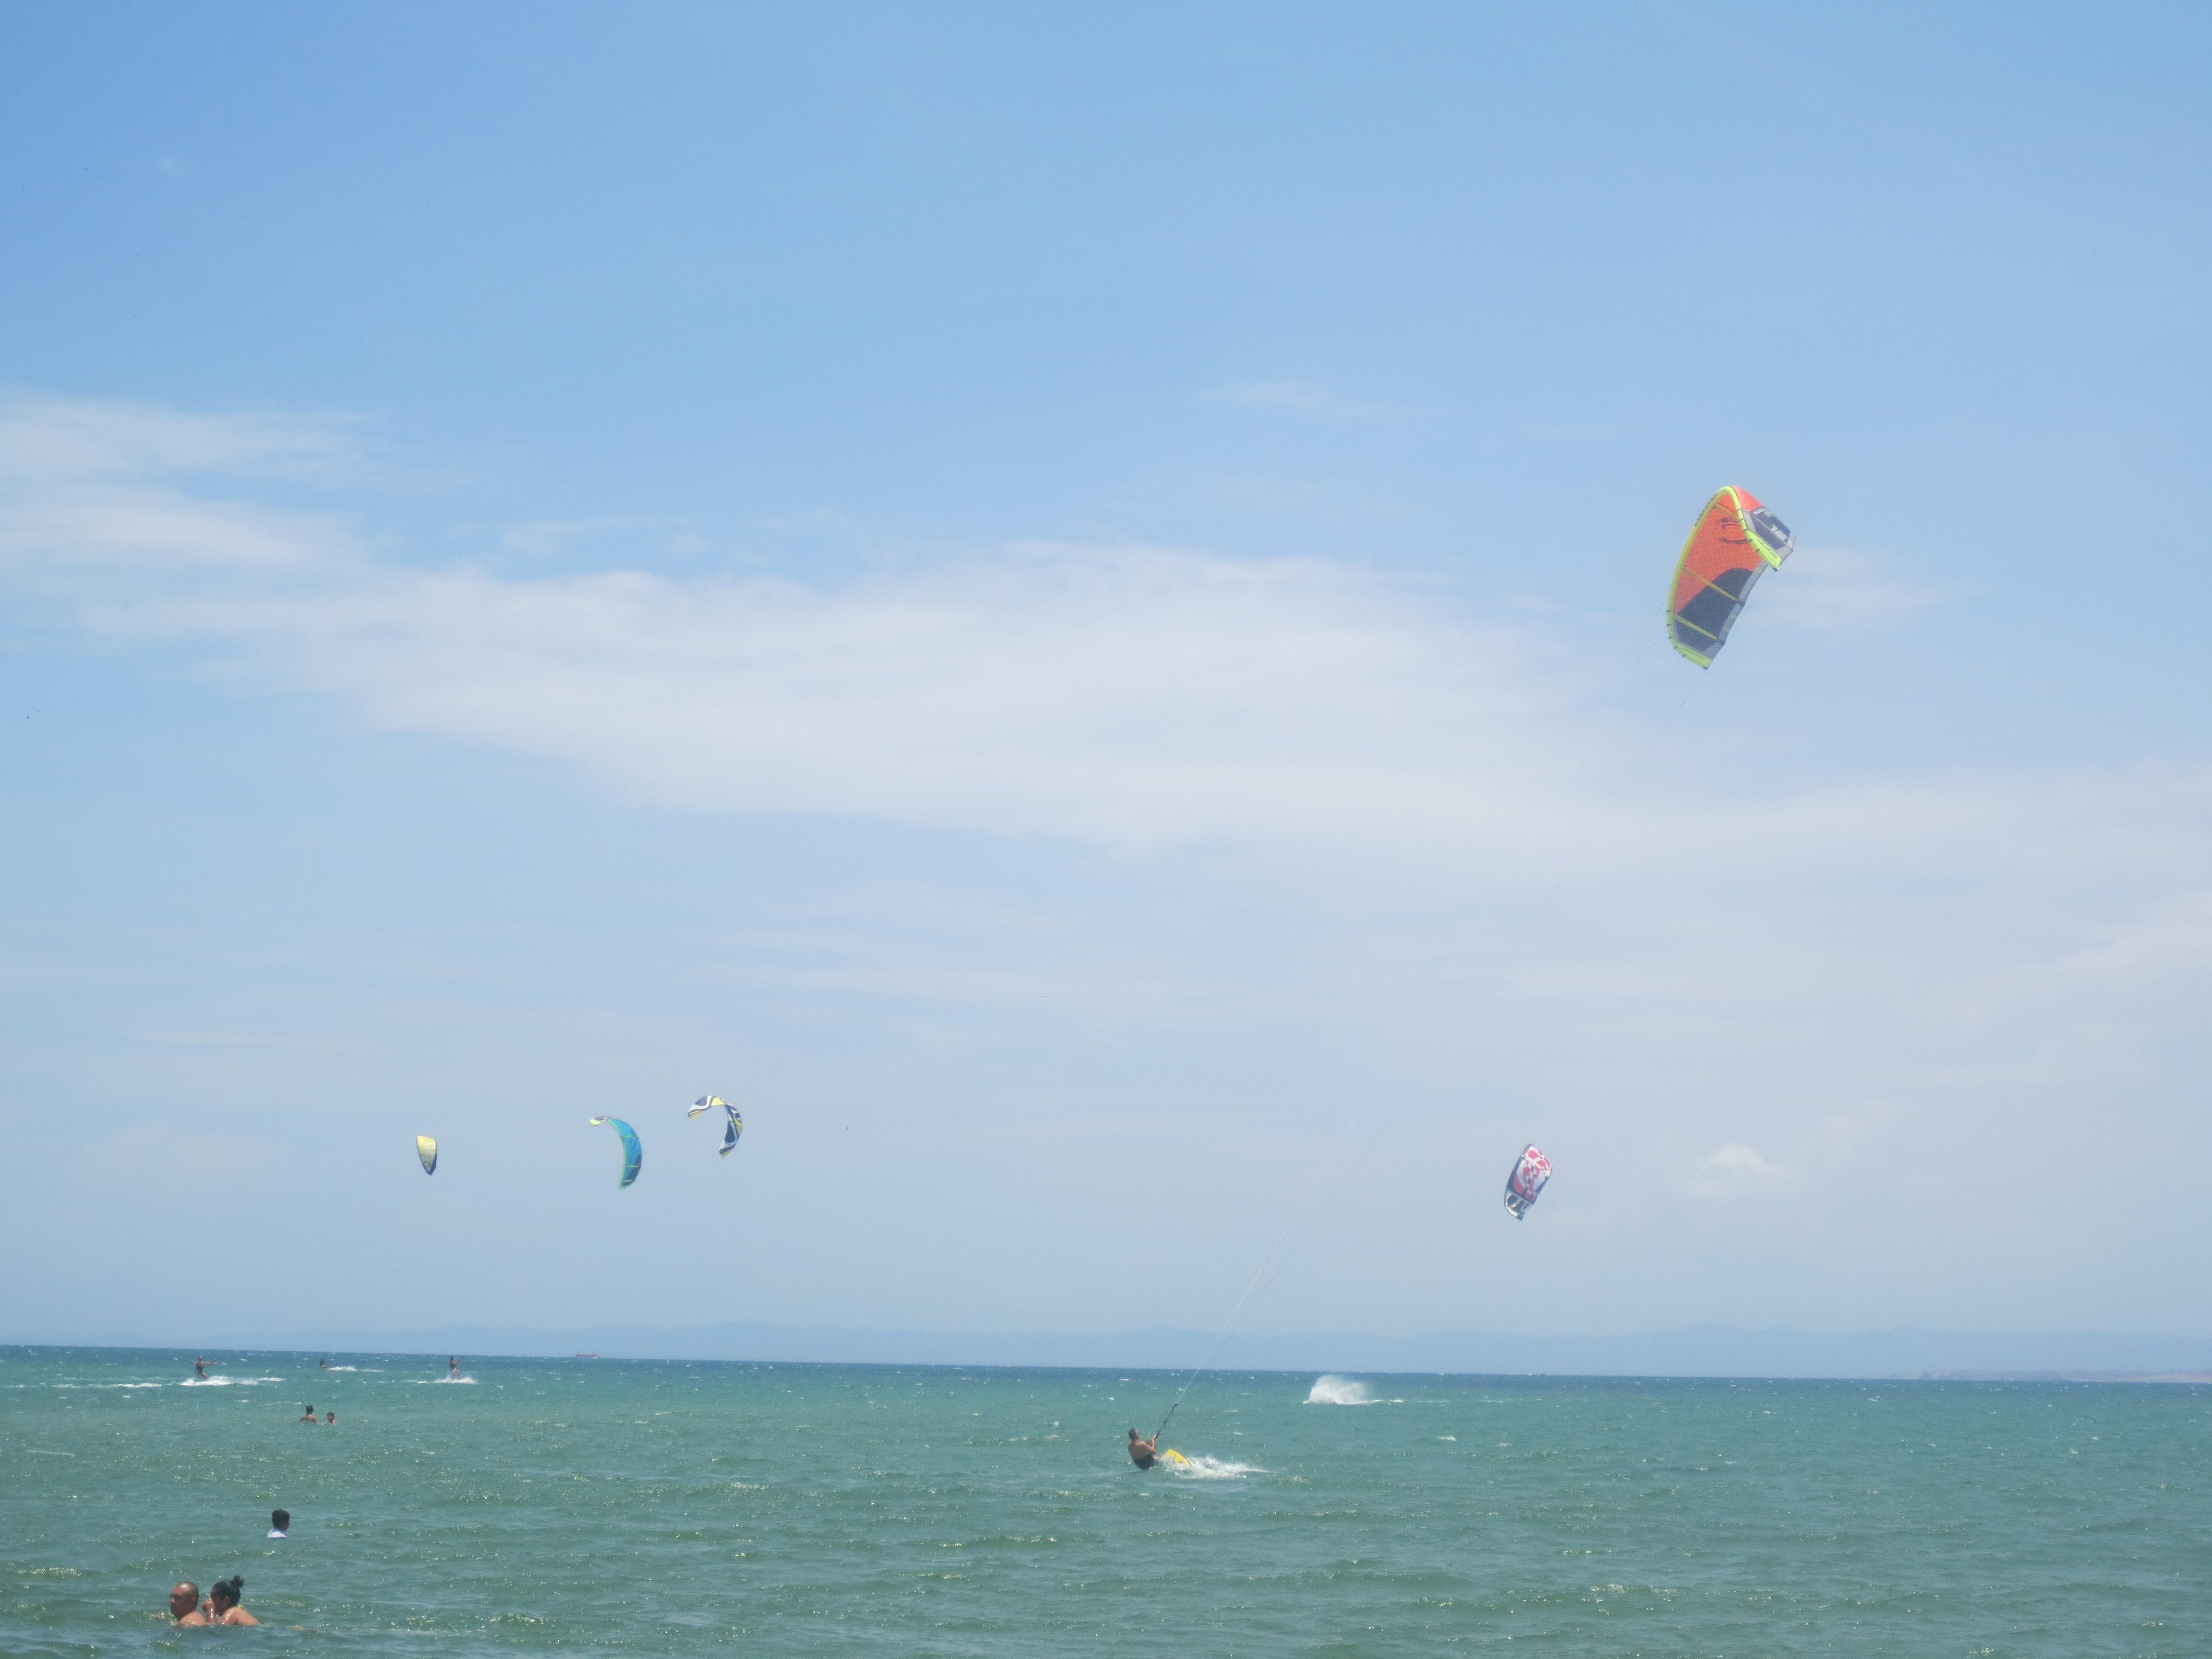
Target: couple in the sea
column 221, row 1606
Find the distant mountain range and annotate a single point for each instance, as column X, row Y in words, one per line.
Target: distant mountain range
column 1701, row 1351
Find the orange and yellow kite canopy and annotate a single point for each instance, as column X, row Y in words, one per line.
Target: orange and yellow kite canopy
column 1730, row 546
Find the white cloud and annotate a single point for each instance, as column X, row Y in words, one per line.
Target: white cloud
column 1735, row 1171
column 1119, row 694
column 1422, row 823
column 1298, row 397
column 544, row 536
column 1843, row 590
column 1303, row 396
column 46, row 439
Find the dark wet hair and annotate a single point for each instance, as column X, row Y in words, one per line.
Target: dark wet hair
column 280, row 1519
column 227, row 1590
column 1132, row 1434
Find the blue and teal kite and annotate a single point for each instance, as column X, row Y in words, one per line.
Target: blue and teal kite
column 633, row 1152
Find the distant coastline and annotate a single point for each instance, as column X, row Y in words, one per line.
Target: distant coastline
column 1715, row 1352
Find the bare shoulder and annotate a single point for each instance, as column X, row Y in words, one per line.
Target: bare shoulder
column 240, row 1616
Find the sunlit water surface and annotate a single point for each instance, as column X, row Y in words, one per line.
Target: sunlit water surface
column 796, row 1509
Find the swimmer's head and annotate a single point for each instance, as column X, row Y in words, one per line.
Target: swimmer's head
column 224, row 1591
column 281, row 1519
column 184, row 1598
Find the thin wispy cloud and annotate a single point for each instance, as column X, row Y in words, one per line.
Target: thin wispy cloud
column 546, row 537
column 1299, row 398
column 1458, row 846
column 1846, row 589
column 1736, row 1171
column 1120, row 694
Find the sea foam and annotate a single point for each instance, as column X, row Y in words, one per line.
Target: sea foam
column 1212, row 1468
column 1335, row 1390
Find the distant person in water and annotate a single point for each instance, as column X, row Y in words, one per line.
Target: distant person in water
column 1143, row 1453
column 280, row 1523
column 222, row 1603
column 330, row 1417
column 185, row 1604
column 308, row 1416
column 453, row 1367
column 322, row 1364
column 200, row 1365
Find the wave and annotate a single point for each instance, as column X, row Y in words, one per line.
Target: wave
column 205, row 1382
column 1333, row 1390
column 441, row 1380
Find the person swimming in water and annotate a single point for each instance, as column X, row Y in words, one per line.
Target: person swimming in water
column 185, row 1604
column 308, row 1416
column 330, row 1418
column 1143, row 1453
column 222, row 1603
column 280, row 1523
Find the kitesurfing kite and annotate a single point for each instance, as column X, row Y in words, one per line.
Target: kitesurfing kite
column 1730, row 546
column 426, row 1150
column 633, row 1152
column 1531, row 1171
column 731, row 1130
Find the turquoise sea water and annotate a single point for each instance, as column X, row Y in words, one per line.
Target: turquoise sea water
column 679, row 1508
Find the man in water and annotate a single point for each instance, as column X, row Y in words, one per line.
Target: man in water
column 200, row 1365
column 1143, row 1453
column 330, row 1417
column 322, row 1364
column 453, row 1366
column 222, row 1604
column 185, row 1604
column 280, row 1523
column 308, row 1416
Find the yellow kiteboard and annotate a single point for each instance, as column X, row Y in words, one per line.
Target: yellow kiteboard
column 1171, row 1456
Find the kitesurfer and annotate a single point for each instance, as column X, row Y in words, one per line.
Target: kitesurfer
column 200, row 1366
column 1143, row 1453
column 453, row 1366
column 185, row 1604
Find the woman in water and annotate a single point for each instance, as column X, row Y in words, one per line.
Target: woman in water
column 223, row 1607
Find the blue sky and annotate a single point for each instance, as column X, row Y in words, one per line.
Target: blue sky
column 1065, row 606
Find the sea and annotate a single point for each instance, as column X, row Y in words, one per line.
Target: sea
column 543, row 1506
